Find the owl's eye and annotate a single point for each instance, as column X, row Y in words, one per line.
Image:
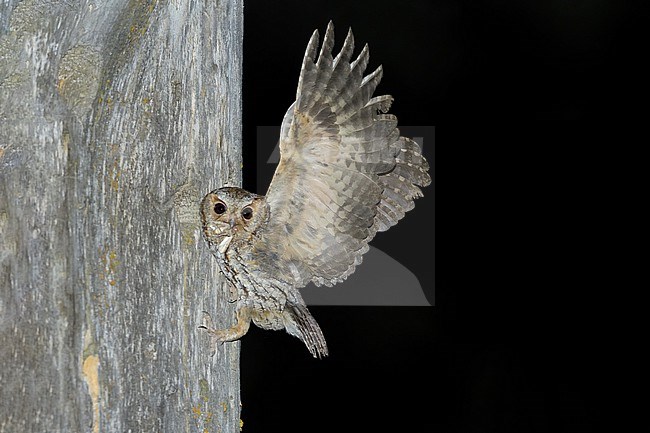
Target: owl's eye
column 247, row 213
column 219, row 208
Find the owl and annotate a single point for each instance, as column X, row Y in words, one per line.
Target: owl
column 345, row 173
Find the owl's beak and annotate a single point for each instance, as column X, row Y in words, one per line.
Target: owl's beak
column 232, row 223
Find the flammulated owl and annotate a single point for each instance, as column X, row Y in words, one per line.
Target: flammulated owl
column 345, row 173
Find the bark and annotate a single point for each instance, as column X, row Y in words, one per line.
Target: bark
column 116, row 117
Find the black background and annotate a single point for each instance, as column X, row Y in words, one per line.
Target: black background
column 526, row 98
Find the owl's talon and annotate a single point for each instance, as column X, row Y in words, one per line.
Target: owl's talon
column 214, row 343
column 216, row 338
column 207, row 320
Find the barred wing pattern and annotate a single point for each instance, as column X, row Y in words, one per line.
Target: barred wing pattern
column 344, row 173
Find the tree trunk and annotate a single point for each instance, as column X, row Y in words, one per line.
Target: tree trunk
column 115, row 118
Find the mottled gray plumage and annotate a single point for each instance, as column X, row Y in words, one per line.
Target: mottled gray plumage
column 344, row 175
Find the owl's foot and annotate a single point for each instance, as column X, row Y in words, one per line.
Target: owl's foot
column 219, row 336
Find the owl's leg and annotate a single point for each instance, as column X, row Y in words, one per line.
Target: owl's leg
column 233, row 333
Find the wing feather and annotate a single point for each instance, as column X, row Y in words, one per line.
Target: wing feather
column 344, row 173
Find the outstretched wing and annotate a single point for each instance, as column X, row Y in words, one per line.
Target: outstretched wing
column 344, row 173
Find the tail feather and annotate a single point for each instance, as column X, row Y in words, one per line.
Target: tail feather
column 300, row 323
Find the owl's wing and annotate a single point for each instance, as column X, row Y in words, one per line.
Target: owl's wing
column 344, row 173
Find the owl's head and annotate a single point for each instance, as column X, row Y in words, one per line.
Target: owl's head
column 231, row 211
